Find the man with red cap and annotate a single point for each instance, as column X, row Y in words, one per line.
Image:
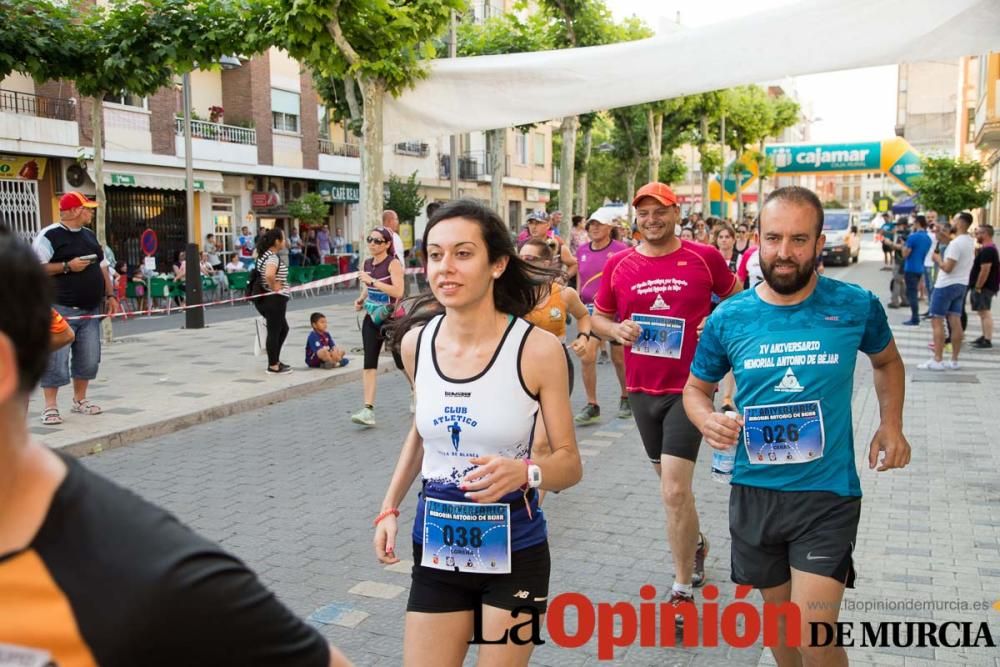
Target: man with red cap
column 660, row 293
column 74, row 259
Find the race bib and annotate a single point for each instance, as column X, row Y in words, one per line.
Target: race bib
column 466, row 537
column 788, row 433
column 661, row 336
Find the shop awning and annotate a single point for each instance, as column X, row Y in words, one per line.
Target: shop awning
column 156, row 178
column 905, row 205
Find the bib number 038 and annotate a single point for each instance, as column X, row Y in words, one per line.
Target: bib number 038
column 466, row 537
column 460, row 536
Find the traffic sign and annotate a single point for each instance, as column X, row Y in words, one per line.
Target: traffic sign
column 149, row 243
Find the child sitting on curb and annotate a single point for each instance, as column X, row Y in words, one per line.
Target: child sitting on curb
column 321, row 352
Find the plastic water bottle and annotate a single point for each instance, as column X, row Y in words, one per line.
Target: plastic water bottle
column 723, row 460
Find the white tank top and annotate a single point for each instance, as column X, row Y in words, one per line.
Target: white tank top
column 489, row 414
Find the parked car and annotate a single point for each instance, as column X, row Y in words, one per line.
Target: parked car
column 867, row 222
column 843, row 243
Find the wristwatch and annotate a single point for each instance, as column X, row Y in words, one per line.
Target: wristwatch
column 534, row 475
column 65, row 267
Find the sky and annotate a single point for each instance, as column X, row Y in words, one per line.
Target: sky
column 848, row 106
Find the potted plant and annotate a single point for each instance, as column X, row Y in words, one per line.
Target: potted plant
column 215, row 113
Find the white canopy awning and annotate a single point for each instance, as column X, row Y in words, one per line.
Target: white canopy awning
column 808, row 37
column 158, row 178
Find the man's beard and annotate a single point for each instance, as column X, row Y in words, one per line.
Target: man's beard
column 790, row 283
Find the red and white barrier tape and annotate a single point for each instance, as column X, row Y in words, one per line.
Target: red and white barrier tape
column 316, row 284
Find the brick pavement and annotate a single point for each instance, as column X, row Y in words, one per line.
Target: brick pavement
column 296, row 500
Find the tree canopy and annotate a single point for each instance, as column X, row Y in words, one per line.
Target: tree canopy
column 950, row 185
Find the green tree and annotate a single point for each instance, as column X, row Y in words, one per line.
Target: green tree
column 379, row 46
column 573, row 24
column 34, row 41
column 404, row 197
column 507, row 33
column 950, row 185
column 629, row 145
column 309, row 208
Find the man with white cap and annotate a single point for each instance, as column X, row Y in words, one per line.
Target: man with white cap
column 591, row 258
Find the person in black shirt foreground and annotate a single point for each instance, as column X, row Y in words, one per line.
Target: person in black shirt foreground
column 91, row 574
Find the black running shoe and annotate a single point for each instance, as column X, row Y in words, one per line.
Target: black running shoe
column 700, row 554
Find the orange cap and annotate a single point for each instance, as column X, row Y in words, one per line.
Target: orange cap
column 658, row 191
column 72, row 200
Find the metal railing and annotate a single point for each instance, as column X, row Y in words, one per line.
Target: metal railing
column 233, row 134
column 472, row 166
column 329, row 147
column 414, row 148
column 38, row 105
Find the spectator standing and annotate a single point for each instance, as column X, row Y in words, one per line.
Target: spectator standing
column 897, row 286
column 579, row 236
column 984, row 283
column 915, row 250
column 74, row 259
column 948, row 299
column 295, row 248
column 212, row 250
column 390, row 220
column 323, row 243
column 245, row 246
column 887, row 231
column 272, row 306
column 339, row 242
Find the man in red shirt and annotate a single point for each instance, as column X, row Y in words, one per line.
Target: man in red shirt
column 661, row 293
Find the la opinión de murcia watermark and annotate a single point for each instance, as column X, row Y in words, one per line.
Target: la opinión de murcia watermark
column 740, row 624
column 908, row 604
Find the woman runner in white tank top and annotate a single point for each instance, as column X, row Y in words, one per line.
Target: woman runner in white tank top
column 482, row 377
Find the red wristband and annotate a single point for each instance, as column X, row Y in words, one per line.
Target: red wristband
column 392, row 510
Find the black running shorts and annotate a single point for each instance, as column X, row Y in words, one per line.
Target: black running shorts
column 774, row 531
column 437, row 591
column 664, row 426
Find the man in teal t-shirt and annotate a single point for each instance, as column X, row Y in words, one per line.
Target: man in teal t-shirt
column 792, row 343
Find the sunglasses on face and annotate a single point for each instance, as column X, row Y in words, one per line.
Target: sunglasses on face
column 376, row 241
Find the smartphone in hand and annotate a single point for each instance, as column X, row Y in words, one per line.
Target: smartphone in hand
column 90, row 258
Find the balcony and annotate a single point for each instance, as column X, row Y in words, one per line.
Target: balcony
column 412, row 148
column 37, row 105
column 987, row 126
column 328, row 147
column 217, row 142
column 35, row 123
column 472, row 166
column 232, row 134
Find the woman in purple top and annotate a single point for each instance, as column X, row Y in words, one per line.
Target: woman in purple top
column 323, row 241
column 591, row 258
column 381, row 288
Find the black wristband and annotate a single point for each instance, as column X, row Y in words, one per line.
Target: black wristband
column 585, row 333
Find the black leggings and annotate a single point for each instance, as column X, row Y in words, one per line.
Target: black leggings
column 273, row 308
column 372, row 340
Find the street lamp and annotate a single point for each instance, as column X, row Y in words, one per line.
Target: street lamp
column 194, row 318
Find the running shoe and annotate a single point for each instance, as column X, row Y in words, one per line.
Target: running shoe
column 591, row 414
column 676, row 600
column 911, row 323
column 624, row 408
column 951, row 365
column 700, row 554
column 282, row 369
column 931, row 365
column 365, row 417
column 982, row 344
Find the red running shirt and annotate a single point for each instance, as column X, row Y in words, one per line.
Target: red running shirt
column 678, row 285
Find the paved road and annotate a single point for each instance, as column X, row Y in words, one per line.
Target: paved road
column 292, row 489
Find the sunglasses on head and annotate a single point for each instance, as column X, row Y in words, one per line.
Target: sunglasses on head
column 375, row 240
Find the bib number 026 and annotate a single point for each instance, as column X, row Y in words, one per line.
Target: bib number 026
column 460, row 536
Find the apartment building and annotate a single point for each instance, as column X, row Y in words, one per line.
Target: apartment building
column 926, row 102
column 528, row 179
column 986, row 129
column 261, row 139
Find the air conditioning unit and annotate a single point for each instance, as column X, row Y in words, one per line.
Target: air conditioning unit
column 74, row 176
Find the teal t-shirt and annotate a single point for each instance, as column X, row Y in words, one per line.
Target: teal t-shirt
column 794, row 368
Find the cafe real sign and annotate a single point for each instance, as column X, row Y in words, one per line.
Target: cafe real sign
column 340, row 192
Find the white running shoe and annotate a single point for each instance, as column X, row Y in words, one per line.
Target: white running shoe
column 931, row 365
column 951, row 365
